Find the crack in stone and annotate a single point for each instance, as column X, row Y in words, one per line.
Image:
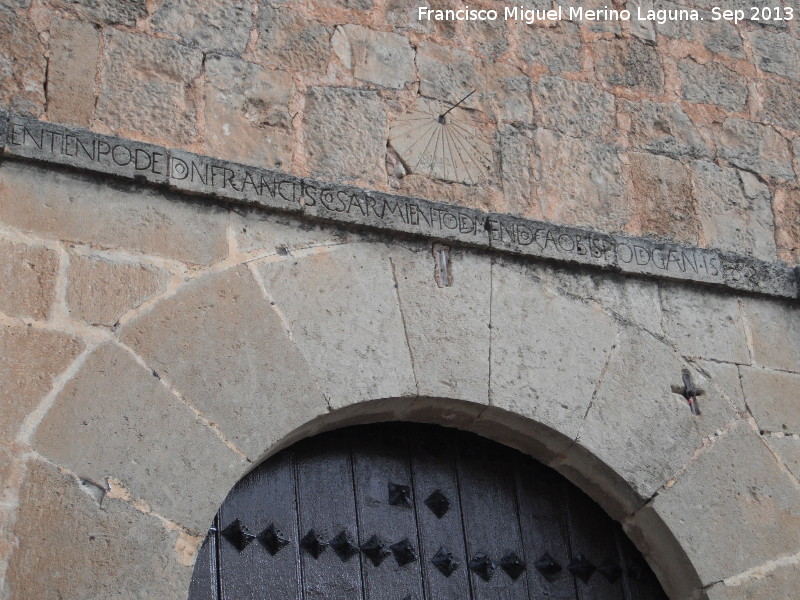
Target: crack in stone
column 405, row 328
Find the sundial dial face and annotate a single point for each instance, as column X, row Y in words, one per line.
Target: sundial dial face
column 437, row 140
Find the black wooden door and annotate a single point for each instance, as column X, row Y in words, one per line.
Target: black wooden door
column 399, row 512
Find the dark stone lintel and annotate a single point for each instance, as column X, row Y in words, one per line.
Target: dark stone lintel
column 183, row 171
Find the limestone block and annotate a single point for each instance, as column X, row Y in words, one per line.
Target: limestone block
column 27, row 280
column 515, row 161
column 718, row 36
column 786, row 208
column 507, row 96
column 635, row 424
column 487, row 37
column 114, row 410
column 70, row 546
column 213, row 25
column 71, row 72
column 250, row 382
column 579, row 182
column 788, row 448
column 385, row 59
column 135, row 102
column 247, row 112
column 548, row 351
column 575, row 108
column 100, row 291
column 558, row 48
column 775, row 333
column 289, row 40
column 100, row 11
column 29, row 360
column 773, row 398
column 447, row 327
column 736, row 481
column 345, row 133
column 22, row 64
column 776, row 53
column 719, row 382
column 713, row 83
column 644, row 30
column 279, row 234
column 447, row 74
column 343, row 313
column 662, row 194
column 629, row 63
column 704, row 324
column 663, row 129
column 780, row 103
column 754, row 147
column 74, row 208
column 734, row 209
column 780, row 582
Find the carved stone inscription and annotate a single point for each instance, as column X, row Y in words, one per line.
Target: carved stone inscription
column 188, row 172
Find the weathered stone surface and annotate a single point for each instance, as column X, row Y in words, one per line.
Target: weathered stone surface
column 716, row 35
column 734, row 209
column 3, row 126
column 662, row 195
column 575, row 108
column 738, row 481
column 775, row 583
column 213, row 25
column 548, row 351
column 663, row 129
column 71, row 71
column 250, row 384
column 635, row 424
column 704, row 324
column 579, row 181
column 776, row 53
column 121, row 410
column 247, row 112
column 29, row 361
column 786, row 208
column 557, row 48
column 775, row 334
column 720, row 382
column 713, row 83
column 644, row 30
column 385, row 59
column 69, row 207
column 446, row 74
column 22, row 64
column 780, row 103
column 135, row 101
column 342, row 309
column 345, row 133
column 447, row 327
column 629, row 63
column 773, row 398
column 754, row 147
column 100, row 11
column 72, row 547
column 507, row 96
column 27, row 279
column 488, row 37
column 100, row 291
column 280, row 234
column 288, row 40
column 515, row 161
column 788, row 448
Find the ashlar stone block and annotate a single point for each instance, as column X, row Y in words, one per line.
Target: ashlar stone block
column 27, row 279
column 774, row 332
column 557, row 47
column 288, row 40
column 343, row 312
column 221, row 345
column 713, row 83
column 22, row 64
column 102, row 12
column 71, row 72
column 754, row 147
column 776, row 53
column 447, row 74
column 629, row 63
column 788, row 448
column 121, row 410
column 214, row 25
column 383, row 58
column 72, row 547
column 575, row 108
column 663, row 128
column 780, row 103
column 786, row 208
column 773, row 398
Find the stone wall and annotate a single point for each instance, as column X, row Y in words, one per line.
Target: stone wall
column 686, row 131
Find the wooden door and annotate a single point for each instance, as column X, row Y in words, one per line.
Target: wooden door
column 413, row 512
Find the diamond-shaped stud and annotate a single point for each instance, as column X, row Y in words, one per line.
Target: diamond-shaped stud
column 272, row 539
column 399, row 495
column 375, row 550
column 313, row 543
column 610, row 570
column 238, row 535
column 581, row 567
column 547, row 566
column 483, row 566
column 445, row 561
column 344, row 546
column 438, row 503
column 513, row 565
column 404, row 552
